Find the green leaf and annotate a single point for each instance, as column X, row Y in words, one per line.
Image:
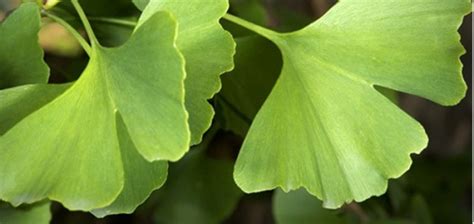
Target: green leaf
column 69, row 149
column 21, row 61
column 245, row 89
column 141, row 177
column 31, row 214
column 200, row 189
column 208, row 50
column 302, row 208
column 325, row 127
column 21, row 101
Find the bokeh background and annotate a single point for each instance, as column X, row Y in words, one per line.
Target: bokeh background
column 437, row 189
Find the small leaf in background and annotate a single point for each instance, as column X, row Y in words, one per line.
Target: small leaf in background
column 208, row 50
column 29, row 214
column 302, row 208
column 73, row 155
column 23, row 64
column 325, row 126
column 200, row 189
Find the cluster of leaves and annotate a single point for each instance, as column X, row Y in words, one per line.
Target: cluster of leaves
column 306, row 102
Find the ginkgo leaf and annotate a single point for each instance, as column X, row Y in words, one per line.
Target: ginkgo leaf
column 74, row 150
column 245, row 88
column 324, row 127
column 29, row 214
column 208, row 50
column 19, row 46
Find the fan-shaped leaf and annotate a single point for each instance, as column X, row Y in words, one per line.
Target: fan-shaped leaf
column 324, row 127
column 69, row 149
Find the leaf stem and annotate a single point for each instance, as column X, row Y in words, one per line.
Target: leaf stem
column 121, row 22
column 87, row 48
column 87, row 25
column 267, row 33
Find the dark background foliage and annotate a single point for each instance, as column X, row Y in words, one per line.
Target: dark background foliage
column 441, row 176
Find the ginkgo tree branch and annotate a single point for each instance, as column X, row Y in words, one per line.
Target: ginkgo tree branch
column 87, row 48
